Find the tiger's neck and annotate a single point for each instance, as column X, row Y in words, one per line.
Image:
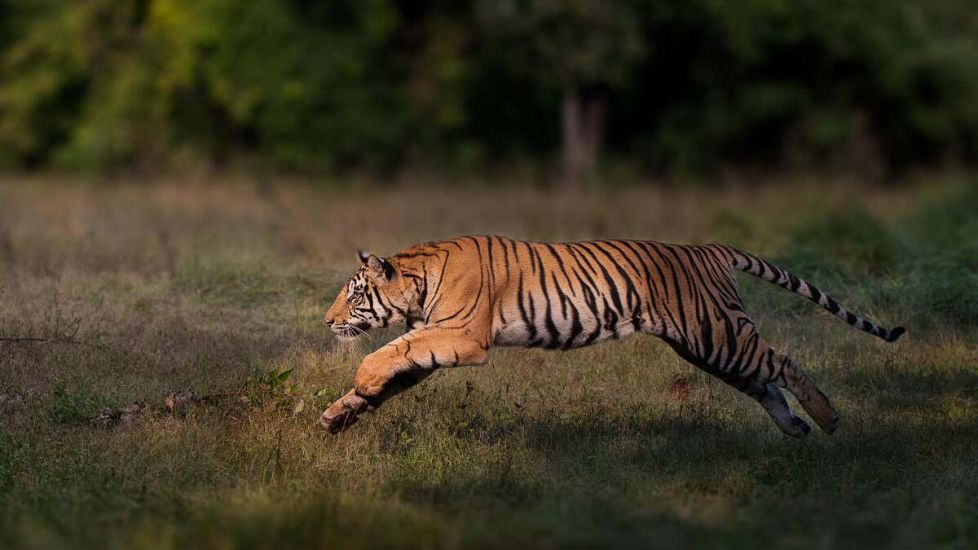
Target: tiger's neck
column 421, row 272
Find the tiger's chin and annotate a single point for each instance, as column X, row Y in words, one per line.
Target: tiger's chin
column 347, row 333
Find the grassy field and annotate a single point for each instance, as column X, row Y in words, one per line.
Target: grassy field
column 114, row 297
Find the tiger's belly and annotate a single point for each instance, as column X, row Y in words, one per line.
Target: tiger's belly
column 556, row 332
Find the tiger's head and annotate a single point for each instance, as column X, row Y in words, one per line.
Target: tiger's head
column 375, row 296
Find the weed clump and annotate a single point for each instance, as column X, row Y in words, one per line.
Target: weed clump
column 71, row 406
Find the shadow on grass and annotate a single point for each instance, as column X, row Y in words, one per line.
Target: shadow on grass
column 594, row 481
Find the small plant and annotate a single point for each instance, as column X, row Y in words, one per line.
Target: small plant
column 275, row 386
column 76, row 406
column 275, row 381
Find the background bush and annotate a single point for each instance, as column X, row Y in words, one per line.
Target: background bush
column 876, row 85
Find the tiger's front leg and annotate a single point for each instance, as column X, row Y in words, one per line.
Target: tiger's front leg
column 400, row 365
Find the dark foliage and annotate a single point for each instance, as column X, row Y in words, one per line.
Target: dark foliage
column 876, row 85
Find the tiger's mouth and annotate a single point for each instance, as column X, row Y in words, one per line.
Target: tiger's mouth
column 347, row 332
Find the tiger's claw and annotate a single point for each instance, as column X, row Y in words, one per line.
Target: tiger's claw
column 343, row 413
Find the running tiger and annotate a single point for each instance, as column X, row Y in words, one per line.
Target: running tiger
column 460, row 297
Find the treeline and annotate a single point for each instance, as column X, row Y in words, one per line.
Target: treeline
column 668, row 86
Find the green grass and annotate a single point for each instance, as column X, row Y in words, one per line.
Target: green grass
column 135, row 292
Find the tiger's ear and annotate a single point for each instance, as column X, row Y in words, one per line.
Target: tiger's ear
column 376, row 266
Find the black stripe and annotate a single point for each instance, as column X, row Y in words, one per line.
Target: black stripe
column 548, row 313
column 520, row 297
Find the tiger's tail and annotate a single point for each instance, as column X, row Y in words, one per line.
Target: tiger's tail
column 771, row 273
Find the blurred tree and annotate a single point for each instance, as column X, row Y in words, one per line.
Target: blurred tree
column 45, row 75
column 689, row 86
column 586, row 47
column 802, row 84
column 106, row 83
column 432, row 51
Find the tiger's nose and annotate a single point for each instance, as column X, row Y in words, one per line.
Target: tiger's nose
column 329, row 320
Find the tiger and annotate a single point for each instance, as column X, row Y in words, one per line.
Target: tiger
column 462, row 296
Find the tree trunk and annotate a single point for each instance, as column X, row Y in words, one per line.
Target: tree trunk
column 573, row 129
column 593, row 133
column 583, row 128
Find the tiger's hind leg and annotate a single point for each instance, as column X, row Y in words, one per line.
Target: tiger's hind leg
column 756, row 369
column 771, row 398
column 764, row 366
column 815, row 403
column 767, row 395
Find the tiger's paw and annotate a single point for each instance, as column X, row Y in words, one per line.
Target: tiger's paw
column 829, row 423
column 343, row 413
column 798, row 428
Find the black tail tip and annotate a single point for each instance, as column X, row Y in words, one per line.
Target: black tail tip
column 895, row 333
